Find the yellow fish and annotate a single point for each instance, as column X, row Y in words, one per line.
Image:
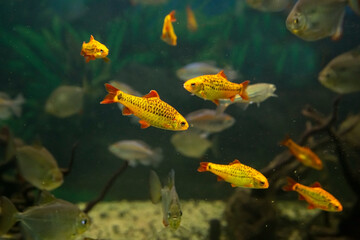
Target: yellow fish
column 239, row 175
column 315, row 196
column 303, row 154
column 191, row 20
column 215, row 87
column 93, row 50
column 168, row 33
column 151, row 110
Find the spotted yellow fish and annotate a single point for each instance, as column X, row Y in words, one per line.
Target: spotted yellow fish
column 315, row 195
column 215, row 87
column 168, row 34
column 151, row 110
column 303, row 154
column 239, row 175
column 93, row 50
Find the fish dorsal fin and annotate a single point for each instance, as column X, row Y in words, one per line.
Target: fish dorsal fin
column 46, row 197
column 315, row 184
column 222, row 74
column 219, row 178
column 234, row 162
column 91, row 38
column 152, row 94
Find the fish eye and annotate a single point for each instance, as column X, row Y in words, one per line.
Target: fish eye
column 193, row 84
column 169, row 215
column 183, row 124
column 296, row 21
column 262, row 183
column 180, row 213
column 84, row 221
column 101, row 50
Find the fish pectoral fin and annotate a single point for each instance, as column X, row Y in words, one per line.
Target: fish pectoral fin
column 301, row 197
column 144, row 124
column 87, row 59
column 233, row 185
column 216, row 101
column 106, row 59
column 232, row 98
column 219, row 178
column 152, row 94
column 126, row 111
column 310, row 206
column 234, row 162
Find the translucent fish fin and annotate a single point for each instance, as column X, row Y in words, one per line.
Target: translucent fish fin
column 243, row 94
column 152, row 94
column 339, row 29
column 92, row 37
column 16, row 105
column 222, row 74
column 172, row 16
column 216, row 101
column 286, row 141
column 110, row 98
column 171, row 179
column 7, row 216
column 236, row 161
column 290, row 184
column 126, row 111
column 106, row 59
column 203, row 167
column 46, row 197
column 144, row 124
column 310, row 206
column 154, row 187
column 231, row 98
column 233, row 185
column 301, row 197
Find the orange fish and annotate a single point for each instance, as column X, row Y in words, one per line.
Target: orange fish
column 191, row 21
column 150, row 109
column 93, row 50
column 315, row 196
column 168, row 34
column 215, row 87
column 239, row 175
column 303, row 154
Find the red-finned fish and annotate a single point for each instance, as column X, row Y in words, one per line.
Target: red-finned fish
column 93, row 50
column 239, row 175
column 215, row 87
column 168, row 33
column 303, row 154
column 191, row 21
column 315, row 196
column 151, row 110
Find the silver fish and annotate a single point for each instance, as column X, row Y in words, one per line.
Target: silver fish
column 209, row 121
column 190, row 143
column 136, row 151
column 9, row 107
column 170, row 200
column 65, row 101
column 313, row 20
column 54, row 220
column 342, row 74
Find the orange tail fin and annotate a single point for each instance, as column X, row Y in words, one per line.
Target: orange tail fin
column 203, row 167
column 172, row 16
column 243, row 93
column 290, row 184
column 112, row 94
column 286, row 141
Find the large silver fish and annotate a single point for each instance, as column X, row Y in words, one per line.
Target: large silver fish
column 312, row 20
column 209, row 121
column 54, row 220
column 342, row 74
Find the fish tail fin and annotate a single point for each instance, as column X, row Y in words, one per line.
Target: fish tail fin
column 243, row 93
column 110, row 98
column 154, row 187
column 171, row 180
column 203, row 167
column 157, row 157
column 7, row 216
column 16, row 105
column 286, row 141
column 290, row 184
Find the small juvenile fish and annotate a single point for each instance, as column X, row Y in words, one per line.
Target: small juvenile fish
column 216, row 87
column 93, row 50
column 150, row 109
column 39, row 167
column 9, row 107
column 315, row 195
column 313, row 20
column 190, row 144
column 303, row 154
column 257, row 93
column 170, row 200
column 209, row 121
column 55, row 220
column 342, row 74
column 239, row 175
column 136, row 151
column 191, row 20
column 269, row 5
column 197, row 69
column 65, row 101
column 168, row 33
